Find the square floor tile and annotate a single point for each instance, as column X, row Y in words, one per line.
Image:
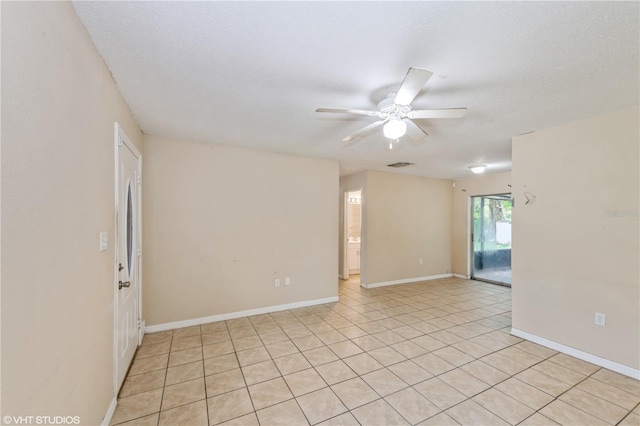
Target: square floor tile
column 464, row 382
column 335, row 372
column 410, row 372
column 345, row 349
column 220, row 363
column 525, row 393
column 321, row 405
column 138, row 405
column 412, row 406
column 304, row 381
column 566, row 414
column 224, row 382
column 440, row 393
column 378, row 412
column 260, row 372
column 269, row 393
column 184, row 357
column 319, row 356
column 145, row 365
column 471, row 413
column 384, row 382
column 593, row 405
column 285, row 414
column 433, row 364
column 143, row 382
column 387, row 356
column 218, row 349
column 252, row 356
column 229, row 405
column 608, row 393
column 277, row 350
column 194, row 414
column 184, row 372
column 354, row 392
column 503, row 406
column 362, row 363
column 307, row 342
column 484, row 372
column 183, row 393
column 291, row 363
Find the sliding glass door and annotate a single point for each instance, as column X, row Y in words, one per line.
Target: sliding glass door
column 492, row 238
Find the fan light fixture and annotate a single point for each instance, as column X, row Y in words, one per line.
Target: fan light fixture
column 395, row 128
column 478, row 169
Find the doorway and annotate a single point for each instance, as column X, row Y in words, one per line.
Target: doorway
column 491, row 238
column 353, row 228
column 127, row 321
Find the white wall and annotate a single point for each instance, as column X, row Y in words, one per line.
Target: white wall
column 221, row 223
column 576, row 249
column 59, row 105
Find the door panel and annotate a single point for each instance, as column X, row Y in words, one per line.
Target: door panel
column 491, row 260
column 127, row 257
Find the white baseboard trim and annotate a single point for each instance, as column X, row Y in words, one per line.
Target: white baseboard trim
column 576, row 353
column 406, row 281
column 239, row 314
column 112, row 409
column 464, row 277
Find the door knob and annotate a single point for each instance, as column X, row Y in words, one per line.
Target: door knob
column 123, row 284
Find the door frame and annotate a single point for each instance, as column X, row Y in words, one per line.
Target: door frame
column 471, row 237
column 122, row 140
column 345, row 231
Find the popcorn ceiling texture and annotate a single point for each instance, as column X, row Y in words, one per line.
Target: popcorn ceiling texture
column 251, row 74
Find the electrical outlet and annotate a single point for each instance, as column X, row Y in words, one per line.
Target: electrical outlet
column 287, row 281
column 277, row 284
column 601, row 319
column 420, row 261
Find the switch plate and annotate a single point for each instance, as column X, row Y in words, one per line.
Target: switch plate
column 287, row 281
column 601, row 319
column 277, row 282
column 104, row 241
column 420, row 261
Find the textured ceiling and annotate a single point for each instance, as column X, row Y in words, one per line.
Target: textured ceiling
column 251, row 74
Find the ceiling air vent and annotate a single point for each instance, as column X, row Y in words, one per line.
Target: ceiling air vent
column 400, row 164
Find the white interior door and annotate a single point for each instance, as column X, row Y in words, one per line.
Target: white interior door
column 127, row 299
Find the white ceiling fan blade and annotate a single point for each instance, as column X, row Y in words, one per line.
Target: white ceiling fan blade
column 412, row 84
column 414, row 125
column 438, row 113
column 364, row 130
column 348, row 111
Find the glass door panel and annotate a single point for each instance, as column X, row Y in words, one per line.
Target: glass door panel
column 492, row 238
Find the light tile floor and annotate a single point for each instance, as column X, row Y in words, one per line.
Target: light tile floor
column 432, row 353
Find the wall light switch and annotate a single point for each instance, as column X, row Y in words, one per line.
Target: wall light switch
column 420, row 261
column 277, row 282
column 287, row 281
column 601, row 319
column 104, row 241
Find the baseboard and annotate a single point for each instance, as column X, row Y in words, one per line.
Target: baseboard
column 239, row 314
column 464, row 277
column 576, row 353
column 406, row 281
column 112, row 409
column 341, row 276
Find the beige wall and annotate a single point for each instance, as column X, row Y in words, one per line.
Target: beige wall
column 498, row 183
column 59, row 104
column 407, row 218
column 576, row 249
column 220, row 224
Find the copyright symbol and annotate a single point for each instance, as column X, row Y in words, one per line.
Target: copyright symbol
column 6, row 420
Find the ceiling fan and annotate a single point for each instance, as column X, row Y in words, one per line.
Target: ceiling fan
column 395, row 111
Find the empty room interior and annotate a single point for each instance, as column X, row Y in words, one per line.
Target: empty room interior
column 305, row 213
